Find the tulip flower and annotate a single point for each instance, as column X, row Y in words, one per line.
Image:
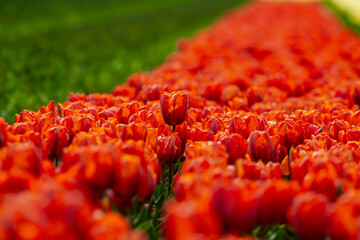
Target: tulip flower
column 307, row 216
column 57, row 138
column 126, row 91
column 169, row 148
column 335, row 127
column 214, row 124
column 322, row 183
column 276, row 199
column 291, row 133
column 236, row 146
column 83, row 124
column 126, row 176
column 3, row 132
column 196, row 217
column 254, row 95
column 96, row 166
column 147, row 184
column 260, row 146
column 174, row 107
column 22, row 157
column 244, row 125
column 197, row 134
column 154, row 92
column 343, row 218
column 125, row 111
column 236, row 207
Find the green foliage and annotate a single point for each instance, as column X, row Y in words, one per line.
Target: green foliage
column 51, row 48
column 274, row 232
column 347, row 16
column 148, row 216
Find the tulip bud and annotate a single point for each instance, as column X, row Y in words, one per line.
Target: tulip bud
column 243, row 125
column 336, row 126
column 146, row 183
column 153, row 92
column 254, row 95
column 169, row 148
column 322, row 183
column 126, row 175
column 3, row 132
column 260, row 146
column 200, row 219
column 291, row 133
column 343, row 218
column 307, row 215
column 237, row 207
column 276, row 199
column 126, row 110
column 236, row 146
column 214, row 124
column 174, row 107
column 24, row 157
column 83, row 124
column 56, row 139
column 197, row 134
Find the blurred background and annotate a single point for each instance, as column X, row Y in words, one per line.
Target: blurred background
column 51, row 48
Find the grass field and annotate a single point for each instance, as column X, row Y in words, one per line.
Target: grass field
column 347, row 10
column 51, row 48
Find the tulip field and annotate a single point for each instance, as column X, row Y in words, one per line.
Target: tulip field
column 250, row 130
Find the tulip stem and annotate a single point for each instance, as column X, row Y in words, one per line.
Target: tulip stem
column 289, row 159
column 170, row 178
column 162, row 172
column 174, row 128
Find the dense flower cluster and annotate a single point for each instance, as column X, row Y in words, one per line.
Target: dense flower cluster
column 264, row 106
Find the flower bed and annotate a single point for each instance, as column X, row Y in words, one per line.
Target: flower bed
column 256, row 118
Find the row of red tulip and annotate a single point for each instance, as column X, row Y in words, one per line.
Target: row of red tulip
column 262, row 98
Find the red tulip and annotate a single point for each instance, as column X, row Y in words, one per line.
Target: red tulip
column 126, row 176
column 174, row 107
column 3, row 132
column 214, row 124
column 344, row 218
column 254, row 95
column 244, row 125
column 107, row 225
column 251, row 170
column 335, row 127
column 169, row 148
column 236, row 146
column 125, row 111
column 154, row 92
column 147, row 184
column 83, row 123
column 280, row 151
column 125, row 90
column 237, row 207
column 197, row 134
column 275, row 201
column 260, row 146
column 307, row 215
column 22, row 157
column 196, row 218
column 350, row 135
column 321, row 182
column 96, row 166
column 291, row 133
column 57, row 138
